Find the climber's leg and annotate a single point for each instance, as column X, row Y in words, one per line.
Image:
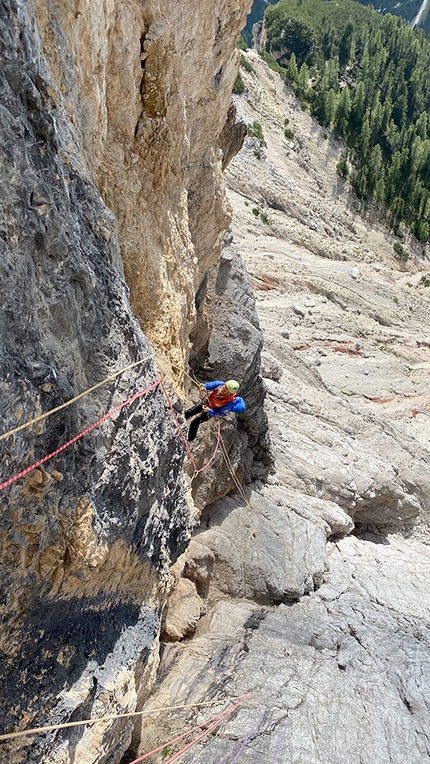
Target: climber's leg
column 194, row 426
column 196, row 409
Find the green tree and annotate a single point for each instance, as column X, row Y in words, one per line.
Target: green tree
column 422, row 231
column 375, row 167
column 333, row 73
column 239, row 85
column 363, row 143
column 347, row 45
column 417, row 154
column 302, row 88
column 379, row 191
column 292, row 71
column 359, row 182
column 342, row 168
column 395, row 177
column 421, row 125
column 376, row 119
column 358, row 108
column 397, row 206
column 330, row 108
column 343, row 111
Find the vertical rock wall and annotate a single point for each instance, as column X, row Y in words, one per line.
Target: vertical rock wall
column 227, row 343
column 148, row 87
column 127, row 100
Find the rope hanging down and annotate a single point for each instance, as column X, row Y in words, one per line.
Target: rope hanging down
column 79, row 435
column 187, row 448
column 233, row 475
column 219, row 441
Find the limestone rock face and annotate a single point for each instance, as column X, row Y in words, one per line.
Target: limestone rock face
column 344, row 673
column 182, row 613
column 148, row 87
column 227, row 343
column 127, row 101
column 262, row 552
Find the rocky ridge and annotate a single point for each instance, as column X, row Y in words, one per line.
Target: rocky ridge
column 314, row 595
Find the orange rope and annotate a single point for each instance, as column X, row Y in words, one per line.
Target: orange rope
column 83, row 722
column 58, row 450
column 41, row 417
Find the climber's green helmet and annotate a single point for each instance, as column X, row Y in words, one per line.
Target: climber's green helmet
column 232, row 386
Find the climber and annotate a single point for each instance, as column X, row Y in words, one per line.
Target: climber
column 221, row 399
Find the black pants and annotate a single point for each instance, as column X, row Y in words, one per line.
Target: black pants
column 194, row 425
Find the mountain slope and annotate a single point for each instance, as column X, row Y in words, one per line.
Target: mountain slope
column 343, row 671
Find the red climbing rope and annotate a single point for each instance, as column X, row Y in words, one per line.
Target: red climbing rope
column 215, row 452
column 166, row 395
column 81, row 434
column 206, row 732
column 76, row 398
column 111, row 413
column 176, row 739
column 190, row 455
column 217, row 719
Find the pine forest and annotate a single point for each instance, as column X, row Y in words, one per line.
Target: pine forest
column 366, row 77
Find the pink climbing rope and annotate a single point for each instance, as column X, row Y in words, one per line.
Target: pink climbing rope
column 200, row 737
column 188, row 450
column 217, row 719
column 80, row 435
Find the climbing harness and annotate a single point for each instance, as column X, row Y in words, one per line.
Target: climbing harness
column 197, row 470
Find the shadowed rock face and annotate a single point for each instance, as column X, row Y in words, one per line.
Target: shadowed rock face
column 85, row 538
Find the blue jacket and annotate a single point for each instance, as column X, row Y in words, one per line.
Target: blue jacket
column 237, row 406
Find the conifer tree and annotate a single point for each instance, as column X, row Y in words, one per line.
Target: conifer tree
column 358, row 108
column 379, row 191
column 292, row 70
column 365, row 75
column 343, row 112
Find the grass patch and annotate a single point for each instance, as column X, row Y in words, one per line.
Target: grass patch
column 239, row 85
column 246, row 65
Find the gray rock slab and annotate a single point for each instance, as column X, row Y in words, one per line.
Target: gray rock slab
column 343, row 675
column 263, row 551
